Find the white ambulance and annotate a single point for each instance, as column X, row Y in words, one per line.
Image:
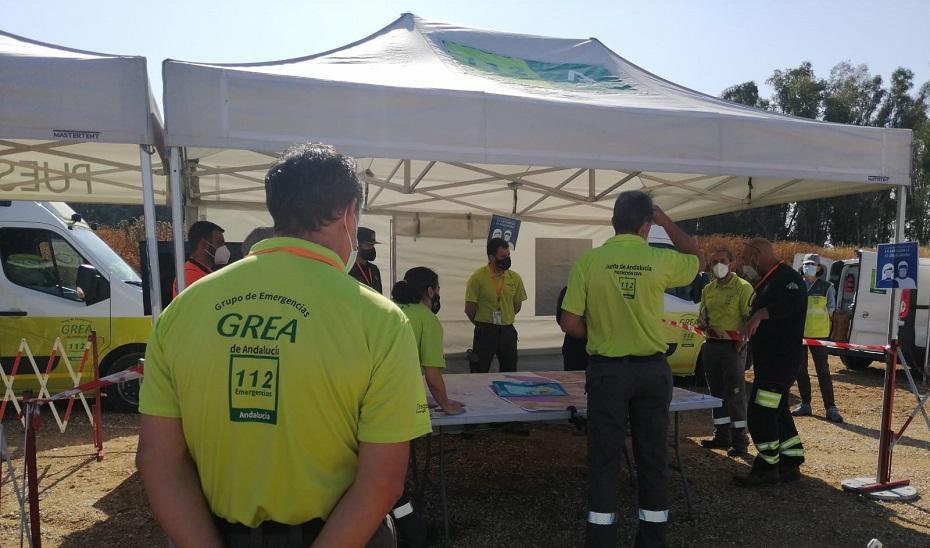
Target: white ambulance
column 60, row 280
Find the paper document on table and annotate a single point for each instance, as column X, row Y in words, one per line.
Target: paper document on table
column 509, row 389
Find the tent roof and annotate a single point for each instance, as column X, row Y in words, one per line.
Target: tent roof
column 450, row 119
column 67, row 116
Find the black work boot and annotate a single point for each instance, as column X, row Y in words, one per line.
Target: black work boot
column 789, row 472
column 716, row 443
column 762, row 473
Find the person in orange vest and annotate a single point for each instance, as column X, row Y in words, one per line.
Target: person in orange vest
column 208, row 250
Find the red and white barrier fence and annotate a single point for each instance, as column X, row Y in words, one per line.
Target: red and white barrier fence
column 734, row 336
column 135, row 372
column 30, row 415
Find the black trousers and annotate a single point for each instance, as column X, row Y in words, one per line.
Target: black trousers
column 725, row 369
column 639, row 394
column 491, row 340
column 770, row 422
column 574, row 355
column 819, row 353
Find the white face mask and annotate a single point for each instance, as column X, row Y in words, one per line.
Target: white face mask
column 810, row 270
column 353, row 241
column 750, row 272
column 721, row 270
column 221, row 255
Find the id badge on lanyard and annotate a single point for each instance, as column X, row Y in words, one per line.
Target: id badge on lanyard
column 496, row 317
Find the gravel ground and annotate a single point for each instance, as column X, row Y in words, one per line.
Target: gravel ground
column 529, row 491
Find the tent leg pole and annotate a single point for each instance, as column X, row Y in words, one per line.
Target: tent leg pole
column 177, row 215
column 151, row 238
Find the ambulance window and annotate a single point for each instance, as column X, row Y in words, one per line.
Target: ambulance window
column 40, row 260
column 685, row 292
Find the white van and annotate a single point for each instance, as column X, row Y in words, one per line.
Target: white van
column 868, row 309
column 60, row 280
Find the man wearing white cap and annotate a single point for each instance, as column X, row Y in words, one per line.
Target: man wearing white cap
column 821, row 302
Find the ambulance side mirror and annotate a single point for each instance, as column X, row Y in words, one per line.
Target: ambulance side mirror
column 92, row 288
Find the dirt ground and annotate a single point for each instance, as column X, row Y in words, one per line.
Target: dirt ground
column 529, row 491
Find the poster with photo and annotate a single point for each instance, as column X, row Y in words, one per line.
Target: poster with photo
column 897, row 266
column 506, row 228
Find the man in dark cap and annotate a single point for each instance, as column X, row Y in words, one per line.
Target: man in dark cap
column 364, row 270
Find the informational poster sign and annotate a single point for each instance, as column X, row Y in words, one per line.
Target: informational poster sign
column 506, row 228
column 897, row 266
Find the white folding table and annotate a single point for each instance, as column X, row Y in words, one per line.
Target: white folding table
column 485, row 407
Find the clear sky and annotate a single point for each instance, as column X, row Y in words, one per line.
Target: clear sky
column 706, row 46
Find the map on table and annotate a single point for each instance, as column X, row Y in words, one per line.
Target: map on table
column 510, row 389
column 571, row 382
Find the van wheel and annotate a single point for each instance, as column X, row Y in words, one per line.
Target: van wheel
column 124, row 396
column 855, row 362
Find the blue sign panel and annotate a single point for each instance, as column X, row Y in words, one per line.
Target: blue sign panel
column 506, row 228
column 897, row 266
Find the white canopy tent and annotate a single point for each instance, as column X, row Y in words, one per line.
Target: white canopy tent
column 78, row 126
column 451, row 124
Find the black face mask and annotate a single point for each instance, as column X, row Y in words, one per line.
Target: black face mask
column 503, row 264
column 367, row 254
column 436, row 305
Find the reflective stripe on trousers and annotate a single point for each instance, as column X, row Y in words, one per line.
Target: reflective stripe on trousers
column 768, row 399
column 654, row 516
column 601, row 518
column 403, row 510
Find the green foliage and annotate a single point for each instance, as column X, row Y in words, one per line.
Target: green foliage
column 747, row 94
column 114, row 214
column 798, row 91
column 851, row 95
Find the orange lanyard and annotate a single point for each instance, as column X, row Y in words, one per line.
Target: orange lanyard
column 361, row 271
column 302, row 253
column 500, row 289
column 767, row 274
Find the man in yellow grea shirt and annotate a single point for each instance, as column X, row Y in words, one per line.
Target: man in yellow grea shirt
column 493, row 298
column 615, row 299
column 725, row 307
column 280, row 394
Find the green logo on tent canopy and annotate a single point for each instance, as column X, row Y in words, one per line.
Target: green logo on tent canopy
column 540, row 71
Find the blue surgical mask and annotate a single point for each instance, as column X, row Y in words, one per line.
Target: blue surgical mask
column 810, row 270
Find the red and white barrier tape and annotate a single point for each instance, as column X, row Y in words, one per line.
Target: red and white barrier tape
column 734, row 336
column 135, row 372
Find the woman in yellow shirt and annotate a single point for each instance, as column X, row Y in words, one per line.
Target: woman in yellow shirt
column 417, row 295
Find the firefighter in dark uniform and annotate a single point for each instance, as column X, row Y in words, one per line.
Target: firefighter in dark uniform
column 775, row 329
column 364, row 270
column 615, row 299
